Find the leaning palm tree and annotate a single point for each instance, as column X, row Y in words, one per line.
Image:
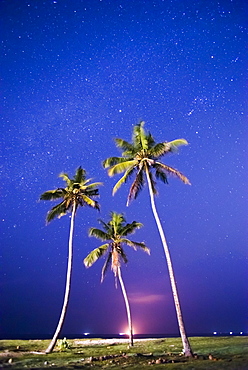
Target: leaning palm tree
column 140, row 159
column 114, row 233
column 78, row 192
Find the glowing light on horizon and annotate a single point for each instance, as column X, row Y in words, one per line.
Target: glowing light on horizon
column 86, row 333
column 126, row 332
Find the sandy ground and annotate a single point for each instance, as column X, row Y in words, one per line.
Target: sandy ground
column 88, row 342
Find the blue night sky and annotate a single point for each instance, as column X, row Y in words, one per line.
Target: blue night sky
column 75, row 75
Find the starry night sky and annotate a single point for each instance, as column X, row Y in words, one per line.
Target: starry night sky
column 76, row 74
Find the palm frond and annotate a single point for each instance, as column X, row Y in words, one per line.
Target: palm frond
column 90, row 202
column 83, row 182
column 94, row 255
column 150, row 140
column 93, row 185
column 172, row 171
column 153, row 183
column 57, row 211
column 138, row 131
column 111, row 161
column 123, row 255
column 142, row 139
column 98, row 233
column 123, row 179
column 104, row 224
column 116, row 218
column 66, row 178
column 116, row 222
column 90, row 192
column 80, row 175
column 124, row 145
column 131, row 228
column 174, row 144
column 135, row 245
column 53, row 194
column 106, row 266
column 97, row 206
column 136, row 187
column 121, row 167
column 161, row 149
column 143, row 136
column 160, row 174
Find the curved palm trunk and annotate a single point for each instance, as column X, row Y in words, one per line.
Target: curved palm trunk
column 186, row 345
column 67, row 287
column 130, row 326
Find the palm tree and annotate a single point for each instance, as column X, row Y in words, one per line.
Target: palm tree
column 114, row 233
column 141, row 159
column 78, row 192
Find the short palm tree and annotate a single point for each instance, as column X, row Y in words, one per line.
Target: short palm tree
column 78, row 192
column 140, row 159
column 114, row 233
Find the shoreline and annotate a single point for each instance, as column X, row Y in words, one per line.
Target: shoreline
column 110, row 342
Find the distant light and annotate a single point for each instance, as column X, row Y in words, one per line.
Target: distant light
column 127, row 332
column 230, row 332
column 241, row 333
column 215, row 332
column 86, row 333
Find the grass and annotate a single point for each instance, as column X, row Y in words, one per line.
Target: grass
column 210, row 353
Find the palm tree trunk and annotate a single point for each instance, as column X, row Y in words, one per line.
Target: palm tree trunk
column 186, row 345
column 127, row 307
column 67, row 287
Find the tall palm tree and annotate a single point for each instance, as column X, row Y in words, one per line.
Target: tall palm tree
column 140, row 159
column 114, row 233
column 78, row 192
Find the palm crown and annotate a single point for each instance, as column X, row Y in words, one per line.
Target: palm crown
column 141, row 157
column 114, row 232
column 78, row 192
